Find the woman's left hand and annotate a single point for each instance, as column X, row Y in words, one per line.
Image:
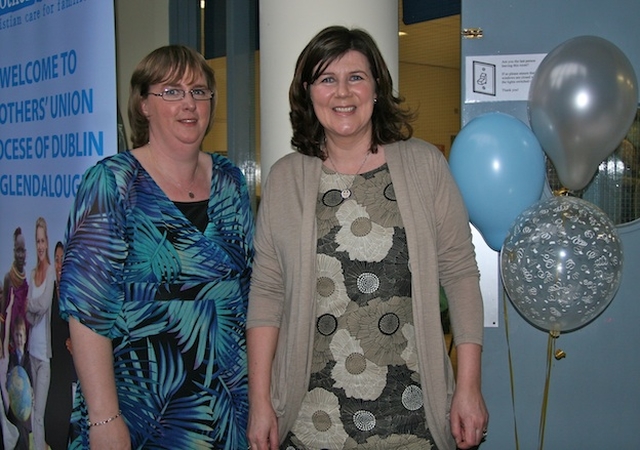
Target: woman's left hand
column 469, row 418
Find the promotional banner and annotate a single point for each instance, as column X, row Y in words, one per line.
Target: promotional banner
column 57, row 118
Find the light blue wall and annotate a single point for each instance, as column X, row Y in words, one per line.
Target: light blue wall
column 594, row 398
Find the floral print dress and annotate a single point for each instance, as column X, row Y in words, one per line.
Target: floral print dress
column 365, row 390
column 171, row 298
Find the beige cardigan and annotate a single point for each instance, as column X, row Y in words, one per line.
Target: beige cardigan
column 440, row 251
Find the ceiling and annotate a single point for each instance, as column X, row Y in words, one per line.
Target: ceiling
column 432, row 43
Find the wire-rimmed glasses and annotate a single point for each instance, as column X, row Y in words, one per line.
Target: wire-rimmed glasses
column 174, row 94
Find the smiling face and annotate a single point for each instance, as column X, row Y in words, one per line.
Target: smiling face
column 42, row 244
column 59, row 255
column 181, row 122
column 19, row 334
column 19, row 252
column 343, row 97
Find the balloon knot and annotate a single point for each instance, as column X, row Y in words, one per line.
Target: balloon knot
column 560, row 354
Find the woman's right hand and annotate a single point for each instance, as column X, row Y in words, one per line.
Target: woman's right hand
column 262, row 429
column 110, row 436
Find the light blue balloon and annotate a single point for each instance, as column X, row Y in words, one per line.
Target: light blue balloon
column 499, row 167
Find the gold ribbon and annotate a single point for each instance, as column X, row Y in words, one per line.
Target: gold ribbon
column 545, row 395
column 557, row 354
column 552, row 352
column 513, row 394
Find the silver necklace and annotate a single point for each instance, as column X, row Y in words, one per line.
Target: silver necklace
column 193, row 176
column 345, row 192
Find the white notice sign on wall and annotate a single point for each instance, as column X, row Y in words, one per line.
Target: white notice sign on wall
column 499, row 78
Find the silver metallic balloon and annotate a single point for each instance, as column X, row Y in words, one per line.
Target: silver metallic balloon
column 582, row 101
column 561, row 263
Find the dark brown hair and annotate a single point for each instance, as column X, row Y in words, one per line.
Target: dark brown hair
column 390, row 122
column 168, row 64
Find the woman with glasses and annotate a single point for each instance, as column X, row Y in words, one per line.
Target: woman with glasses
column 155, row 275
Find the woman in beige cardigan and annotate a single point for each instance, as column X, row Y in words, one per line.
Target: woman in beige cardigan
column 355, row 234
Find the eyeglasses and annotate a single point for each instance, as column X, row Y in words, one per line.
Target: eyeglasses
column 174, row 95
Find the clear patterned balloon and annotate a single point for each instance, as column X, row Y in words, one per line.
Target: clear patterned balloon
column 561, row 263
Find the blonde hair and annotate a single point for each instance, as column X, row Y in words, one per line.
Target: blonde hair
column 41, row 223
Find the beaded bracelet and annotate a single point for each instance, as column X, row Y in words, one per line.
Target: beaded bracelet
column 104, row 422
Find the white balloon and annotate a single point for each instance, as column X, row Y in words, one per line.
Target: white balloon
column 561, row 263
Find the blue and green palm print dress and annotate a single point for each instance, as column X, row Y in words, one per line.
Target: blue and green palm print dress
column 171, row 298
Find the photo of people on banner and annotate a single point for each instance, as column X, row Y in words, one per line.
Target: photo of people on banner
column 36, row 367
column 59, row 118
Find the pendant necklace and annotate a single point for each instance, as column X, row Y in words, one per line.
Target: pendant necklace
column 345, row 192
column 193, row 176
